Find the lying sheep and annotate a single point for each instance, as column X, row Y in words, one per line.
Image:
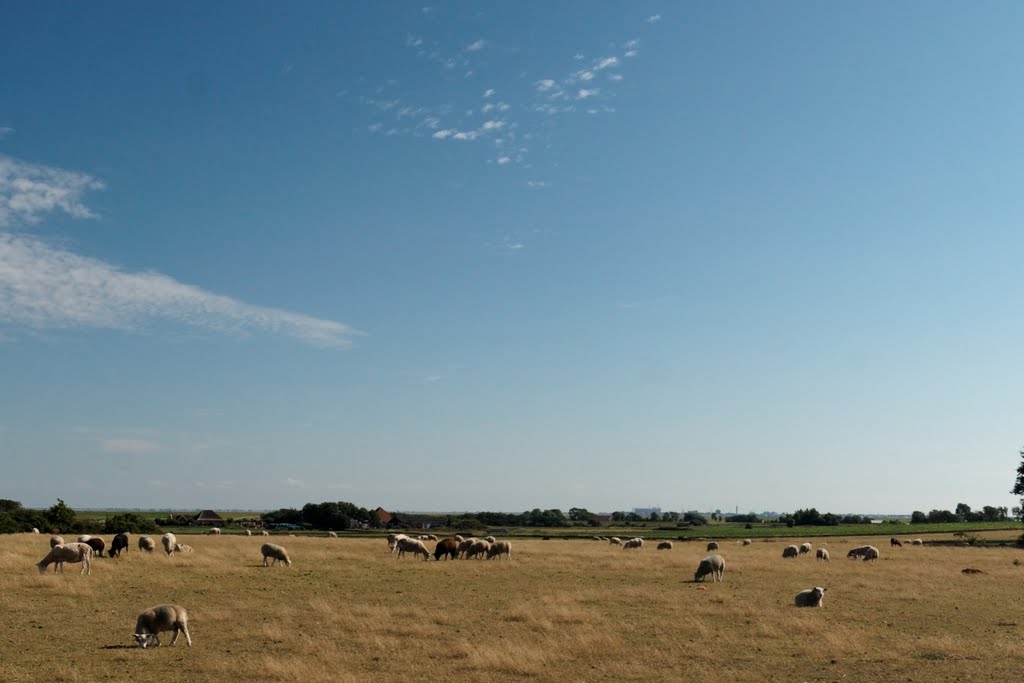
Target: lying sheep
column 56, row 540
column 633, row 543
column 790, row 551
column 72, row 552
column 665, row 545
column 182, row 548
column 214, row 531
column 147, row 543
column 169, row 540
column 97, row 544
column 712, row 546
column 712, row 564
column 615, row 540
column 449, row 547
column 499, row 548
column 811, row 597
column 746, row 541
column 805, row 548
column 414, row 546
column 477, row 549
column 161, row 618
column 275, row 551
column 822, row 554
column 119, row 543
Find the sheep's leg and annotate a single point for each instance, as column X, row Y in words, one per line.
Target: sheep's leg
column 156, row 639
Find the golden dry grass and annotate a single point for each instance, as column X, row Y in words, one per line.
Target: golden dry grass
column 559, row 611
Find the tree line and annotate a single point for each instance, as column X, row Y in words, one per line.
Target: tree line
column 60, row 518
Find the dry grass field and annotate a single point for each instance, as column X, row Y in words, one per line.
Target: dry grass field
column 559, row 611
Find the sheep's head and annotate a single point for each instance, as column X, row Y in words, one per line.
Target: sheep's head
column 41, row 567
column 142, row 639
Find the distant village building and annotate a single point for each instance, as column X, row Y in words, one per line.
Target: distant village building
column 201, row 518
column 646, row 512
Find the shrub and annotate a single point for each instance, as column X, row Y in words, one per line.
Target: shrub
column 130, row 523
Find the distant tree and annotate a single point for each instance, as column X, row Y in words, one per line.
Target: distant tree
column 9, row 505
column 1018, row 488
column 941, row 517
column 695, row 519
column 60, row 516
column 655, row 517
column 670, row 516
column 580, row 514
column 633, row 517
column 809, row 517
column 745, row 518
column 918, row 517
column 129, row 523
column 963, row 512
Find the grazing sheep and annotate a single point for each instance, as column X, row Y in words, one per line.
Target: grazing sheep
column 665, row 545
column 790, row 551
column 35, row 530
column 275, row 551
column 161, row 618
column 812, row 597
column 822, row 554
column 147, row 543
column 489, row 539
column 428, row 537
column 615, row 540
column 596, row 538
column 499, row 548
column 712, row 546
column 72, row 552
column 458, row 538
column 182, row 548
column 712, row 564
column 331, row 534
column 84, row 538
column 56, row 540
column 414, row 546
column 633, row 543
column 214, row 531
column 895, row 542
column 169, row 540
column 119, row 543
column 248, row 532
column 393, row 540
column 746, row 541
column 97, row 544
column 859, row 551
column 917, row 541
column 871, row 554
column 264, row 532
column 805, row 548
column 465, row 544
column 477, row 549
column 449, row 547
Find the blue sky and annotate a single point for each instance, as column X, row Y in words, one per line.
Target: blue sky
column 511, row 255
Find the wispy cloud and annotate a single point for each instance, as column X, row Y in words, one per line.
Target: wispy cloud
column 489, row 92
column 129, row 446
column 45, row 286
column 476, row 46
column 538, row 183
column 29, row 191
column 546, row 85
column 653, row 19
column 294, row 483
column 5, row 131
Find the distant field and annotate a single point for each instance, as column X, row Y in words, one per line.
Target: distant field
column 559, row 611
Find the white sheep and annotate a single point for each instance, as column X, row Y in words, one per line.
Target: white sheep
column 917, row 541
column 214, row 531
column 713, row 545
column 478, row 549
column 275, row 551
column 264, row 532
column 428, row 537
column 414, row 546
column 464, row 546
column 182, row 548
column 665, row 545
column 859, row 551
column 615, row 540
column 169, row 540
column 458, row 538
column 248, row 532
column 393, row 540
column 146, row 543
column 821, row 554
column 489, row 539
column 84, row 538
column 633, row 543
column 746, row 541
column 499, row 548
column 72, row 552
column 790, row 551
column 712, row 564
column 56, row 540
column 811, row 597
column 871, row 554
column 35, row 530
column 805, row 548
column 161, row 618
column 331, row 534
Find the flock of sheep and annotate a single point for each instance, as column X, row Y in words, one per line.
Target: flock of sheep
column 174, row 617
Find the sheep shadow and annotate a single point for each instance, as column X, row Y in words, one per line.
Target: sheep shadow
column 119, row 647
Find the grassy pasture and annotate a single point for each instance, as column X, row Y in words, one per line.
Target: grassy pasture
column 559, row 611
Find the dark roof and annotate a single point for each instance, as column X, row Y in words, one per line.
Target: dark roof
column 208, row 515
column 383, row 515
